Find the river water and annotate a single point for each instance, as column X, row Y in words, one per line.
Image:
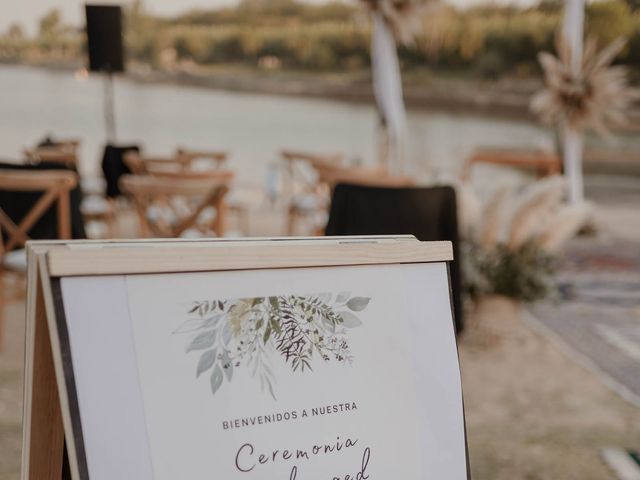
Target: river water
column 252, row 127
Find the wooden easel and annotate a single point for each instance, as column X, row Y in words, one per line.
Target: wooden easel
column 49, row 419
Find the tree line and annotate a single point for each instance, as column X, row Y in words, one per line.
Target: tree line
column 485, row 41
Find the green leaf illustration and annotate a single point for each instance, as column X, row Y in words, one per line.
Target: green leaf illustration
column 207, row 359
column 270, row 387
column 226, row 334
column 267, row 334
column 329, row 324
column 248, row 333
column 275, row 325
column 257, row 301
column 343, row 297
column 202, row 341
column 238, row 314
column 358, row 304
column 324, row 297
column 274, row 303
column 190, row 326
column 227, row 365
column 216, row 379
column 198, row 324
column 350, row 320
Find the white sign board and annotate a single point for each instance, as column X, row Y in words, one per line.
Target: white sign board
column 322, row 373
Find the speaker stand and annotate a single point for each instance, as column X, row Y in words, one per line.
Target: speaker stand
column 109, row 107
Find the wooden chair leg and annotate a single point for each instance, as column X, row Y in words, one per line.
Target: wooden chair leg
column 245, row 224
column 41, row 206
column 220, row 220
column 64, row 216
column 111, row 219
column 291, row 220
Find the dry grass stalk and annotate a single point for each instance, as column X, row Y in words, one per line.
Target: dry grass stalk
column 535, row 207
column 469, row 208
column 564, row 225
column 493, row 218
column 535, row 216
column 595, row 97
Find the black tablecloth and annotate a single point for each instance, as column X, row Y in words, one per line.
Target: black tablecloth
column 18, row 204
column 113, row 166
column 428, row 213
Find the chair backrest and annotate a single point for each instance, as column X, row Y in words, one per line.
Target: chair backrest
column 301, row 170
column 66, row 143
column 168, row 205
column 55, row 186
column 205, row 175
column 145, row 164
column 182, row 161
column 189, row 157
column 65, row 155
column 428, row 213
column 314, row 159
column 375, row 176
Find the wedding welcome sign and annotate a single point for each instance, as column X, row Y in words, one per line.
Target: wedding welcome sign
column 269, row 359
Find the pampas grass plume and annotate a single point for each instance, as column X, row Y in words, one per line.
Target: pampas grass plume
column 533, row 210
column 564, row 225
column 493, row 218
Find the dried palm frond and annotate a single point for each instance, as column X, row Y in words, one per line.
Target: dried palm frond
column 564, row 225
column 594, row 97
column 533, row 209
column 402, row 16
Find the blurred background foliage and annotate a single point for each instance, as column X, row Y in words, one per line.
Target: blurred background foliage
column 486, row 41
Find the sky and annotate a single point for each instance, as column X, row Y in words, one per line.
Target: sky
column 28, row 12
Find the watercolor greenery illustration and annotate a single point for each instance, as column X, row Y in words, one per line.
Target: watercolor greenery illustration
column 251, row 332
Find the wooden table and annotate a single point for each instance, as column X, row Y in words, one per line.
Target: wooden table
column 544, row 163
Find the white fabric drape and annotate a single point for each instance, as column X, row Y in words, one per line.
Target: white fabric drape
column 573, row 30
column 387, row 87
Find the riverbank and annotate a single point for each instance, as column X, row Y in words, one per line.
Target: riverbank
column 424, row 89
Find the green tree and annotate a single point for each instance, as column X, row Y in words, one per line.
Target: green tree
column 608, row 20
column 15, row 33
column 51, row 23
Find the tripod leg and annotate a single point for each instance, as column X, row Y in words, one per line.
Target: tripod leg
column 109, row 107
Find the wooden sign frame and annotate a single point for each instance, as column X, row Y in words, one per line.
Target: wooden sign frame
column 48, row 428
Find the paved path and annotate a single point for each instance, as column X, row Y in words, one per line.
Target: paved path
column 599, row 315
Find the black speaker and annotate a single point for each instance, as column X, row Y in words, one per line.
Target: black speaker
column 104, row 38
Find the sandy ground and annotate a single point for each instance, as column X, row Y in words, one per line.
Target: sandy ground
column 532, row 412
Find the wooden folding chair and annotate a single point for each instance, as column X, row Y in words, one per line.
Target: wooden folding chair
column 146, row 164
column 182, row 161
column 64, row 152
column 215, row 158
column 304, row 195
column 55, row 186
column 169, row 204
column 329, row 170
